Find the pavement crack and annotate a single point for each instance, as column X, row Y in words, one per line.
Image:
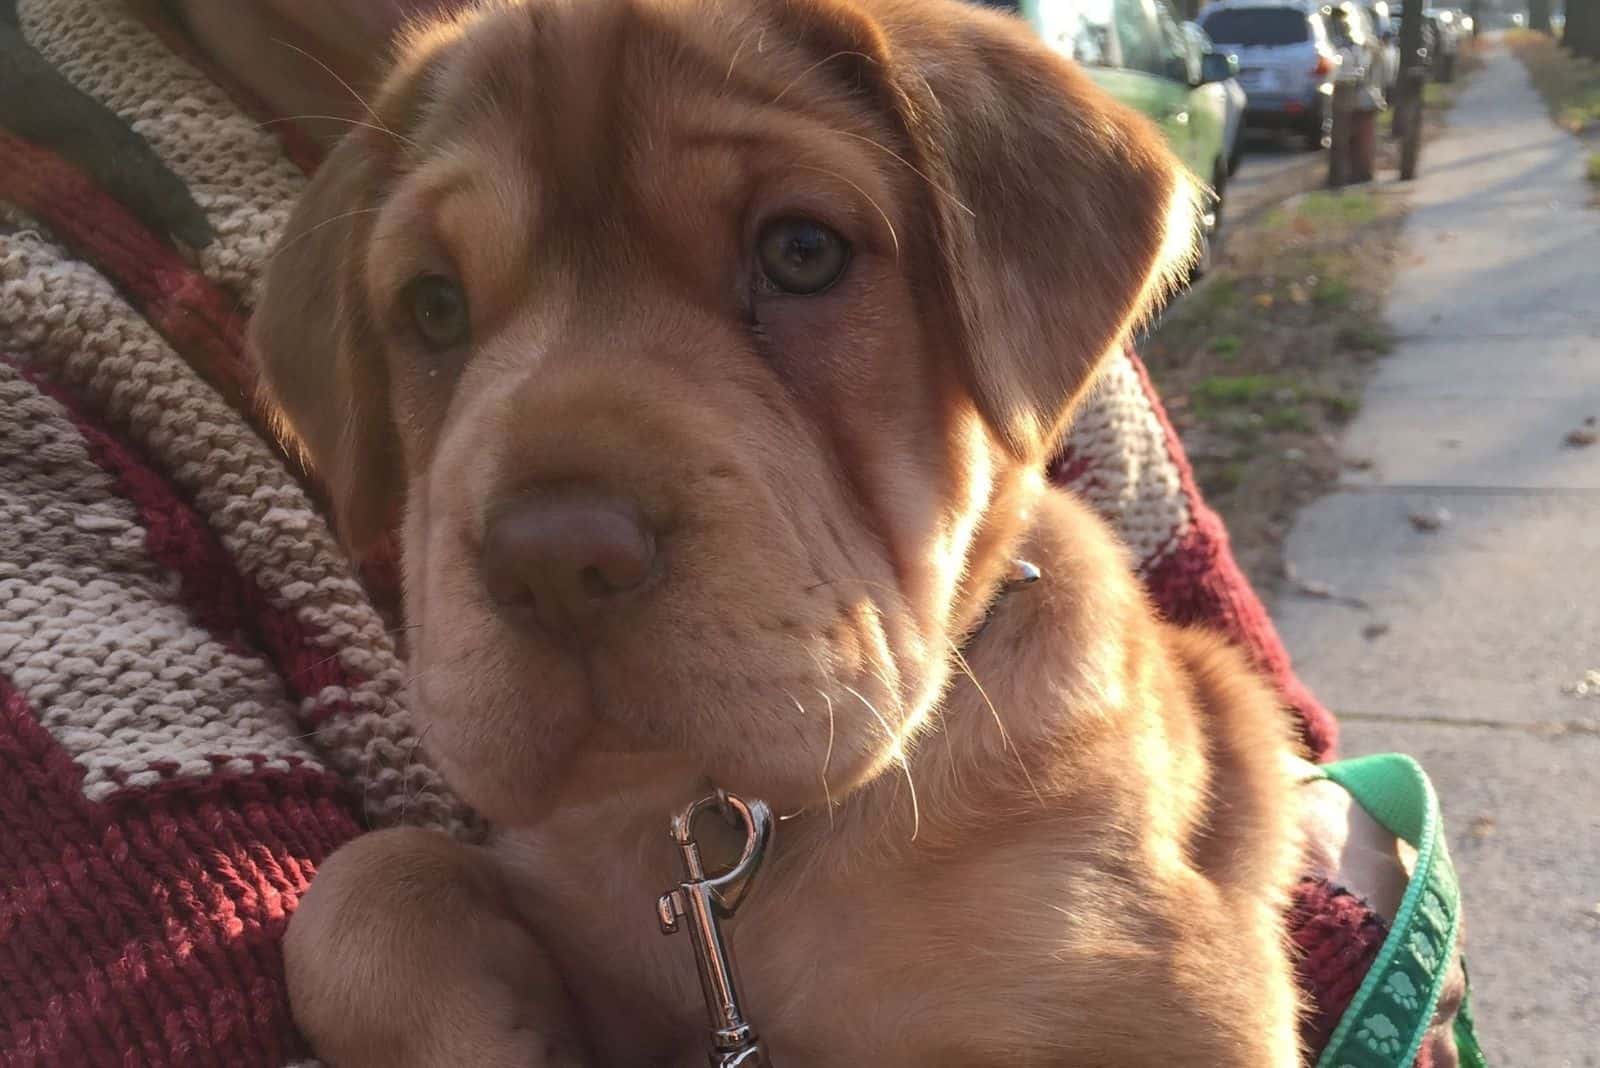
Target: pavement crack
column 1539, row 728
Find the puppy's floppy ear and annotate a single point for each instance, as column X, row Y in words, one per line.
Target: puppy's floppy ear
column 1062, row 216
column 312, row 341
column 312, row 335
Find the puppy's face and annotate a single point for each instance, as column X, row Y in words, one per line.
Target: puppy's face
column 707, row 349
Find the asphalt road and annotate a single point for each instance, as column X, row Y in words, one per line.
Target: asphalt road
column 1274, row 168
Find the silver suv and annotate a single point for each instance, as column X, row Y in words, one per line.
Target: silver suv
column 1287, row 63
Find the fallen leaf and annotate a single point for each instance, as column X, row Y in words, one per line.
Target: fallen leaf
column 1263, row 300
column 1298, row 294
column 1581, row 438
column 1359, row 463
column 1374, row 630
column 1313, row 588
column 1431, row 520
column 1481, row 828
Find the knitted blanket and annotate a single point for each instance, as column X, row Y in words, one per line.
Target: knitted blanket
column 200, row 695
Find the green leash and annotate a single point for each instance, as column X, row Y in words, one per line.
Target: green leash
column 1387, row 1019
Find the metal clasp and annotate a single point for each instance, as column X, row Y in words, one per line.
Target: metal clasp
column 703, row 900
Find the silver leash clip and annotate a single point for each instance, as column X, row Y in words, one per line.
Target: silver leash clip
column 702, row 900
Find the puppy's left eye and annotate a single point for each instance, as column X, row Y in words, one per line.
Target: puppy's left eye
column 438, row 308
column 801, row 256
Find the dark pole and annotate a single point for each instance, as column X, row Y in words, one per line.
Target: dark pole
column 1582, row 33
column 1407, row 123
column 1539, row 16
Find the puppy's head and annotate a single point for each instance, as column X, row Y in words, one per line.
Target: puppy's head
column 709, row 350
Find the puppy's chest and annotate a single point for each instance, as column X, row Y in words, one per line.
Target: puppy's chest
column 887, row 973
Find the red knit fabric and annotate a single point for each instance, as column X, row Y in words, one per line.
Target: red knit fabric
column 146, row 931
column 1336, row 938
column 1200, row 582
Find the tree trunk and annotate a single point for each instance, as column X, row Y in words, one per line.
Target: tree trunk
column 1406, row 123
column 1539, row 16
column 1582, row 34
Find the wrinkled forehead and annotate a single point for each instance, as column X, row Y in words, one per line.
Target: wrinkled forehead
column 549, row 128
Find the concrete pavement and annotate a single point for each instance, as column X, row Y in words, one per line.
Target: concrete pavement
column 1468, row 646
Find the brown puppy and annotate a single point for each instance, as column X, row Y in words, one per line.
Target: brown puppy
column 712, row 349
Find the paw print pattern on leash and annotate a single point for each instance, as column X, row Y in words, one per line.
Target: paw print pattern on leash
column 1404, row 992
column 1379, row 1034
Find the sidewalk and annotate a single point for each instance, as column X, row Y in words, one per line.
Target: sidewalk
column 1464, row 646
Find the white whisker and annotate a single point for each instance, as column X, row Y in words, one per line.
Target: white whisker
column 340, row 118
column 899, row 750
column 335, row 76
column 913, row 168
column 820, row 63
column 894, row 237
column 736, row 53
column 827, row 756
column 1005, row 736
column 308, row 231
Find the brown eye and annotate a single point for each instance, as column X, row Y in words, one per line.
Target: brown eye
column 801, row 256
column 438, row 311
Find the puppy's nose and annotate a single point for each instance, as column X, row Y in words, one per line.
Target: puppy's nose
column 565, row 554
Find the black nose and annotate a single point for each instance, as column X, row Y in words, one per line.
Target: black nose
column 560, row 556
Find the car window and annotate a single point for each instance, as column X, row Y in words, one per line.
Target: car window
column 1258, row 26
column 1137, row 34
column 1081, row 29
column 1174, row 46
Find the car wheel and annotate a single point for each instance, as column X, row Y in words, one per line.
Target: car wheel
column 1211, row 231
column 1318, row 132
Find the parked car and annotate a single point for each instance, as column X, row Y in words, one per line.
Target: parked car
column 1287, row 62
column 1450, row 33
column 1138, row 52
column 1387, row 29
column 1440, row 41
column 1351, row 32
column 1219, row 71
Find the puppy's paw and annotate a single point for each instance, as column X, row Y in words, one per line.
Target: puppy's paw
column 405, row 954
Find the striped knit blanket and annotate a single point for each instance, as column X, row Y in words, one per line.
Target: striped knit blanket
column 200, row 695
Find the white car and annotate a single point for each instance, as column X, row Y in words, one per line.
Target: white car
column 1287, row 62
column 1386, row 26
column 1230, row 94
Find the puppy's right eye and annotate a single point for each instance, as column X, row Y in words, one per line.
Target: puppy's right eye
column 801, row 256
column 438, row 309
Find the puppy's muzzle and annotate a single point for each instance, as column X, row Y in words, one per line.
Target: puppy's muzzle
column 559, row 557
